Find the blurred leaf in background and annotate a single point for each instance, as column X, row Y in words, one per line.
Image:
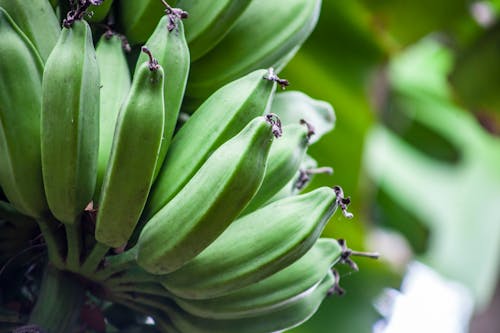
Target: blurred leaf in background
column 451, row 182
column 386, row 67
column 476, row 78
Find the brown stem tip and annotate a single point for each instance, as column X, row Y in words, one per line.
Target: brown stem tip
column 336, row 289
column 343, row 202
column 271, row 76
column 174, row 15
column 153, row 63
column 275, row 122
column 80, row 10
column 347, row 253
column 109, row 33
column 305, row 176
column 310, row 128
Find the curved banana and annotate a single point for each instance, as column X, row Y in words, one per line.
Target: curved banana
column 134, row 153
column 20, row 94
column 284, row 161
column 261, row 244
column 274, row 291
column 209, row 202
column 70, row 122
column 257, row 40
column 37, row 20
column 209, row 22
column 169, row 46
column 115, row 85
column 100, row 12
column 221, row 117
column 139, row 18
column 293, row 106
column 286, row 316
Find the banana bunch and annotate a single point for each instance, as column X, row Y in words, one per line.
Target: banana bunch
column 160, row 167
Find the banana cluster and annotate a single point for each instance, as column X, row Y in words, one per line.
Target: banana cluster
column 171, row 176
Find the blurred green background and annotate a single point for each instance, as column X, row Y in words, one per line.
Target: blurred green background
column 416, row 91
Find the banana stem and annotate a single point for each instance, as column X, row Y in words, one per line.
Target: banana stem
column 91, row 263
column 371, row 255
column 48, row 227
column 59, row 302
column 74, row 242
column 117, row 263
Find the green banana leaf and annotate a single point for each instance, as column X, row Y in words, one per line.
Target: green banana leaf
column 476, row 77
column 457, row 199
column 399, row 23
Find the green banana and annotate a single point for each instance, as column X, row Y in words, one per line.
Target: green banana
column 272, row 292
column 209, row 22
column 286, row 316
column 115, row 85
column 100, row 12
column 255, row 41
column 20, row 94
column 261, row 243
column 139, row 18
column 70, row 122
column 299, row 181
column 169, row 46
column 284, row 161
column 292, row 106
column 222, row 116
column 209, row 202
column 134, row 153
column 37, row 20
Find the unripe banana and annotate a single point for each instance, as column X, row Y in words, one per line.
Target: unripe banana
column 169, row 46
column 284, row 317
column 293, row 106
column 115, row 85
column 100, row 12
column 221, row 117
column 257, row 40
column 37, row 20
column 70, row 122
column 136, row 144
column 209, row 202
column 284, row 162
column 20, row 95
column 261, row 244
column 308, row 169
column 209, row 22
column 139, row 18
column 272, row 292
